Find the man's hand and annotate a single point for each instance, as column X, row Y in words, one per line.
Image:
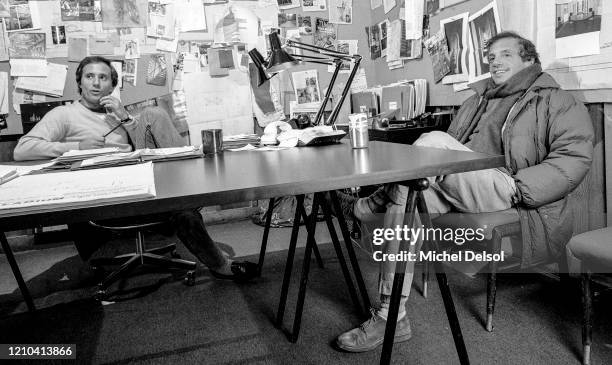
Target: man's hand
column 91, row 143
column 114, row 105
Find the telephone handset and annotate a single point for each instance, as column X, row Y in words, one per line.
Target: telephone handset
column 280, row 133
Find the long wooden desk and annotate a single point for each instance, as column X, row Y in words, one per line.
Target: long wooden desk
column 243, row 176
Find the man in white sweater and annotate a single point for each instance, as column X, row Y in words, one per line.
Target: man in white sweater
column 91, row 123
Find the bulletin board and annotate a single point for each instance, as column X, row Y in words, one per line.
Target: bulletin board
column 442, row 95
column 129, row 93
column 438, row 93
column 353, row 31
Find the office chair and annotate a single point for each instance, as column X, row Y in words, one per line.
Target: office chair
column 141, row 257
column 594, row 250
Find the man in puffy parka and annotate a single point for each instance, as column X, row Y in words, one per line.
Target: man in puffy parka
column 546, row 137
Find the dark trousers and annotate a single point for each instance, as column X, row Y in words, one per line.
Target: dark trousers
column 188, row 226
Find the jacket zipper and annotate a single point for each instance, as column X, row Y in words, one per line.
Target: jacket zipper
column 507, row 126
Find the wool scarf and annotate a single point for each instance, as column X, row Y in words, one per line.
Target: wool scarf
column 485, row 135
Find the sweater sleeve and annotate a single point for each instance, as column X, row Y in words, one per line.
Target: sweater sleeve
column 43, row 141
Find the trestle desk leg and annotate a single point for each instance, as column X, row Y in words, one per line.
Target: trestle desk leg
column 264, row 240
column 289, row 264
column 338, row 248
column 17, row 273
column 351, row 253
column 449, row 305
column 297, row 321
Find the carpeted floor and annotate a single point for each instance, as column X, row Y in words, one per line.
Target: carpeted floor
column 159, row 320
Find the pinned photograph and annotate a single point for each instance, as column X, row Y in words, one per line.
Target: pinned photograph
column 349, row 47
column 455, row 29
column 287, row 20
column 22, row 17
column 157, row 70
column 97, row 11
column 58, row 33
column 325, row 34
column 373, row 34
column 130, row 71
column 384, row 33
column 577, row 27
column 438, row 52
column 305, row 24
column 87, row 10
column 483, row 25
column 288, row 4
column 341, row 11
column 27, row 45
column 314, row 5
column 124, row 14
column 132, row 49
column 306, row 86
column 69, row 10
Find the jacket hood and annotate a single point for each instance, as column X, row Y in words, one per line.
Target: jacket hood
column 544, row 81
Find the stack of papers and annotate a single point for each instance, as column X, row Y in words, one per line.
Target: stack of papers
column 79, row 187
column 171, row 153
column 240, row 140
column 79, row 155
column 141, row 155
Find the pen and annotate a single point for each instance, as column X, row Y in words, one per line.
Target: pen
column 115, row 127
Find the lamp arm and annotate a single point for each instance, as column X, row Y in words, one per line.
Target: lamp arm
column 320, row 50
column 334, row 114
column 313, row 59
column 328, row 93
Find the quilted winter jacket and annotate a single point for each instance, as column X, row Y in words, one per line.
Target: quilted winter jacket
column 548, row 145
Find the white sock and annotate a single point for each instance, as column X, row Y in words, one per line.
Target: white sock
column 383, row 312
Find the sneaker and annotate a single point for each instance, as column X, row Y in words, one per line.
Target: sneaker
column 241, row 271
column 371, row 333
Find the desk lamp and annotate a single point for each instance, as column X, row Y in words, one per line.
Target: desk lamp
column 279, row 60
column 260, row 63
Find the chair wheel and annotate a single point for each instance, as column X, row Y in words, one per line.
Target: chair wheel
column 174, row 254
column 190, row 278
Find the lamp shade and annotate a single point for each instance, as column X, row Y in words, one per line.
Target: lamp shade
column 279, row 59
column 259, row 62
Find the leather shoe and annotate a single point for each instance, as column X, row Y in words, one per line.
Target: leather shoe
column 241, row 271
column 371, row 333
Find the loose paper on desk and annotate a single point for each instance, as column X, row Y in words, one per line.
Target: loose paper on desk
column 79, row 187
column 52, row 84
